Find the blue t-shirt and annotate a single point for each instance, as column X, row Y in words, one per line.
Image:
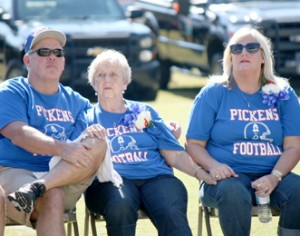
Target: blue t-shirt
column 61, row 116
column 135, row 153
column 240, row 129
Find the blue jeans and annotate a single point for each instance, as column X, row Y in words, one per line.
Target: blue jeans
column 163, row 199
column 234, row 198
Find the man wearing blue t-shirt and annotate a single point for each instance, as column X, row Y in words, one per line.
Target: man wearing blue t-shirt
column 38, row 117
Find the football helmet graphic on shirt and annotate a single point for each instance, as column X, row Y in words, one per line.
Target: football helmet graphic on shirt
column 123, row 142
column 55, row 131
column 257, row 131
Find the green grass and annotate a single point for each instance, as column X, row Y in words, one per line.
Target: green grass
column 173, row 104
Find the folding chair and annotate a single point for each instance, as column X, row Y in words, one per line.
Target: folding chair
column 70, row 219
column 93, row 218
column 208, row 212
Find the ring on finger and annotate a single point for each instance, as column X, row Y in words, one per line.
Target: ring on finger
column 217, row 176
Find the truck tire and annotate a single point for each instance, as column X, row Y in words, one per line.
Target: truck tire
column 165, row 74
column 216, row 67
column 15, row 68
column 140, row 93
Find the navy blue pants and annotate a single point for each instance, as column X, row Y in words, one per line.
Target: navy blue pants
column 163, row 199
column 234, row 198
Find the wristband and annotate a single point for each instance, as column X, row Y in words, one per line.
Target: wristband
column 277, row 174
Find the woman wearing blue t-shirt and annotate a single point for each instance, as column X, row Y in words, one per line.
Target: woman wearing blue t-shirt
column 143, row 151
column 244, row 130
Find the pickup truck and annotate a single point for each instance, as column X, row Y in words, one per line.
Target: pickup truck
column 193, row 33
column 91, row 27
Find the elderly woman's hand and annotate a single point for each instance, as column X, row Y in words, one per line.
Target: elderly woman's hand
column 175, row 127
column 96, row 131
column 221, row 171
column 265, row 185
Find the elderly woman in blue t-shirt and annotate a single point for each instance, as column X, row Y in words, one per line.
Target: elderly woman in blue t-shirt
column 143, row 152
column 244, row 129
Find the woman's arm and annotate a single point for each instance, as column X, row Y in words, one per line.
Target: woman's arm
column 290, row 156
column 183, row 162
column 286, row 163
column 200, row 155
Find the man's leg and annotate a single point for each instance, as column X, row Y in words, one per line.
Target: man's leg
column 2, row 211
column 61, row 175
column 49, row 213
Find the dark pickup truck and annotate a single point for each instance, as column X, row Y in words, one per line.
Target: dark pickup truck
column 91, row 27
column 193, row 33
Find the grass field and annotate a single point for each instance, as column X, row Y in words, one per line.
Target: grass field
column 172, row 104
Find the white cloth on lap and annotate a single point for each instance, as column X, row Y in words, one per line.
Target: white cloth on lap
column 105, row 173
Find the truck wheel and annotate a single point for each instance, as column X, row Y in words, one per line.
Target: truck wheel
column 140, row 93
column 15, row 68
column 165, row 74
column 216, row 64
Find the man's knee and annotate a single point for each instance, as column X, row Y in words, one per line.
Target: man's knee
column 98, row 148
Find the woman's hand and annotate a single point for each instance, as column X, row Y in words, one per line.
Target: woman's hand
column 221, row 171
column 265, row 185
column 96, row 131
column 175, row 127
column 203, row 175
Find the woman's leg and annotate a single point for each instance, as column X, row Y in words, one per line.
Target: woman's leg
column 164, row 199
column 233, row 198
column 286, row 197
column 119, row 206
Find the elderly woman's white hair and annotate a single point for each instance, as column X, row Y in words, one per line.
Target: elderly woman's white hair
column 109, row 58
column 266, row 50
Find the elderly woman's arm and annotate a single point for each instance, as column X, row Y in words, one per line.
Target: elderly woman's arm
column 183, row 162
column 286, row 163
column 200, row 155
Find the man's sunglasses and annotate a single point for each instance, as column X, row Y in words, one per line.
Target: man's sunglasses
column 46, row 52
column 250, row 48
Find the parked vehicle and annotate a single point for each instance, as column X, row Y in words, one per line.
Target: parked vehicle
column 193, row 33
column 91, row 27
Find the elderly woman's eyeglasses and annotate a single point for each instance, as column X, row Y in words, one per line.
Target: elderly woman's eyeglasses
column 250, row 48
column 46, row 52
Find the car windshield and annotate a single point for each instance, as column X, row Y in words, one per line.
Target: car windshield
column 70, row 9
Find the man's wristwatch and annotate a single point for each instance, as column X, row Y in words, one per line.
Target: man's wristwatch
column 277, row 174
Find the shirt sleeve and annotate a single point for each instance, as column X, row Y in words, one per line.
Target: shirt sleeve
column 290, row 112
column 13, row 105
column 204, row 110
column 163, row 135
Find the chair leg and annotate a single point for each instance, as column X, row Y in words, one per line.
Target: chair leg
column 75, row 228
column 86, row 222
column 93, row 225
column 69, row 229
column 200, row 220
column 207, row 221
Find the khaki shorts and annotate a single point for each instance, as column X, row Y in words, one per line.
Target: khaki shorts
column 11, row 179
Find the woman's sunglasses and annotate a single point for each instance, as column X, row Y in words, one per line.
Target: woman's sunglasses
column 250, row 48
column 46, row 52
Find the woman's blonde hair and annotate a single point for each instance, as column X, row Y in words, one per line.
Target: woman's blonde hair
column 267, row 70
column 109, row 58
